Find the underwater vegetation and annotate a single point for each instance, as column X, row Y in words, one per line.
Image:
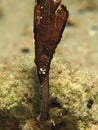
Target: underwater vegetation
column 73, row 97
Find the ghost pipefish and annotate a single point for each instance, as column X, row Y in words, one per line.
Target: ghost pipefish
column 49, row 23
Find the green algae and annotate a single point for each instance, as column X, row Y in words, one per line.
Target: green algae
column 73, row 95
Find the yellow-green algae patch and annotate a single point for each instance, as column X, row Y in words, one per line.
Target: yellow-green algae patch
column 73, row 96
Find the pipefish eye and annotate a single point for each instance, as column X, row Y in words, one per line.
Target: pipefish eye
column 37, row 20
